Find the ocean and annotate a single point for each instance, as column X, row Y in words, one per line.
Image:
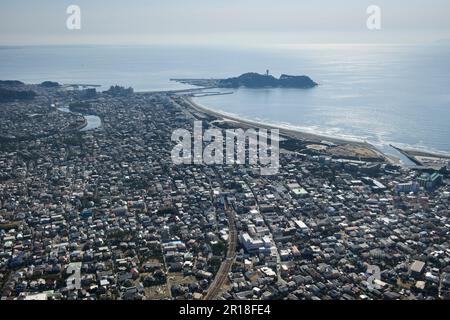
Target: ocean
column 382, row 94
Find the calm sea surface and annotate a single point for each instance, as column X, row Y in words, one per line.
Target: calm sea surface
column 379, row 93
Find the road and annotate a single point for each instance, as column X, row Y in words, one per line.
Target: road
column 280, row 280
column 225, row 267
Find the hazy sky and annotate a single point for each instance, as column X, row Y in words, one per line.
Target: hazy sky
column 251, row 22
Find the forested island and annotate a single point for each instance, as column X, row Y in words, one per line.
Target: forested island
column 254, row 80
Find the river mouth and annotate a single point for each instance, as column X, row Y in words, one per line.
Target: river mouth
column 92, row 121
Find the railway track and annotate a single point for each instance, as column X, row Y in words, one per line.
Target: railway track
column 226, row 265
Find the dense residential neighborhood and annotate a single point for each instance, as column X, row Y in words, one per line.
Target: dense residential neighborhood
column 104, row 213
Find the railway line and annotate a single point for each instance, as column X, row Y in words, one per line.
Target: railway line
column 226, row 265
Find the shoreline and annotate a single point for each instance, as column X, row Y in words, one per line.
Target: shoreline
column 285, row 131
column 297, row 134
column 351, row 145
column 346, row 144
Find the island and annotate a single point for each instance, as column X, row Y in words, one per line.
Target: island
column 255, row 81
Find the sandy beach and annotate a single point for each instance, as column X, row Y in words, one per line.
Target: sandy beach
column 344, row 148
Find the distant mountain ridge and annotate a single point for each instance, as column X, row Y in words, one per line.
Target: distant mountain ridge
column 256, row 80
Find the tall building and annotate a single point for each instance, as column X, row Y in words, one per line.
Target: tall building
column 430, row 181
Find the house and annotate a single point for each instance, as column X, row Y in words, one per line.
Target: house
column 417, row 267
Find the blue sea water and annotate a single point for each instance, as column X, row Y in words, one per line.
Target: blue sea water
column 383, row 94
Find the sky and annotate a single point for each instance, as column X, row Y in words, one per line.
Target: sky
column 236, row 22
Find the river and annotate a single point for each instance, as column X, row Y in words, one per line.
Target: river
column 92, row 121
